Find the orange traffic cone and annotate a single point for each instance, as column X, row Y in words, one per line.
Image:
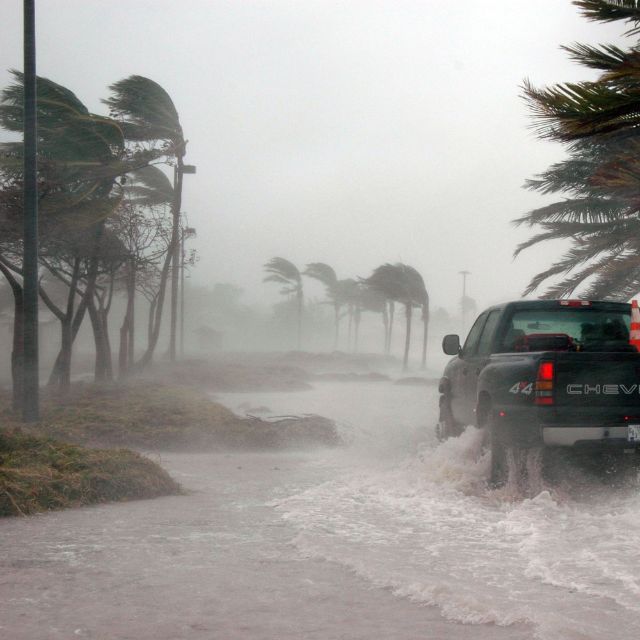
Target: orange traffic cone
column 634, row 336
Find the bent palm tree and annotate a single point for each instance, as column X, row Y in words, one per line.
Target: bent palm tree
column 327, row 276
column 286, row 273
column 395, row 283
column 420, row 297
column 148, row 114
column 80, row 156
column 373, row 300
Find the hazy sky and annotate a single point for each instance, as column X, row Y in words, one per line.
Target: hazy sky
column 352, row 133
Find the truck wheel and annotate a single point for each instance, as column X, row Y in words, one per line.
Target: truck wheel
column 498, row 450
column 447, row 427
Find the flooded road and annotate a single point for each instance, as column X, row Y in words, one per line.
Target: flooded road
column 392, row 536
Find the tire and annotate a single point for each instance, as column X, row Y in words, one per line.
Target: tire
column 498, row 445
column 447, row 427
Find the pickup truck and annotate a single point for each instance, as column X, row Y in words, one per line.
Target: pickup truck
column 545, row 373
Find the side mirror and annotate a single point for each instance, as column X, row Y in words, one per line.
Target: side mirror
column 451, row 344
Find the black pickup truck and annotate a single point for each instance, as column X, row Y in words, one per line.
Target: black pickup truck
column 545, row 373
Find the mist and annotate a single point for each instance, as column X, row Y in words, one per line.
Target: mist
column 258, row 222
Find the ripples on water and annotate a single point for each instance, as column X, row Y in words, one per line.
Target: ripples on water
column 421, row 522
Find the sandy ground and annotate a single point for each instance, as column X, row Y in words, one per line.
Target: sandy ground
column 216, row 564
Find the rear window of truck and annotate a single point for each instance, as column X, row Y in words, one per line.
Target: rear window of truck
column 567, row 329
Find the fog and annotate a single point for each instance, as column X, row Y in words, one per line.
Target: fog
column 348, row 133
column 302, row 488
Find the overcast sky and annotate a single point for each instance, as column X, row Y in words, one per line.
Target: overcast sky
column 352, row 133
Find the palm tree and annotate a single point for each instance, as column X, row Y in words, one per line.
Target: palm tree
column 372, row 300
column 80, row 157
column 600, row 122
column 347, row 292
column 325, row 274
column 396, row 283
column 149, row 115
column 420, row 297
column 287, row 274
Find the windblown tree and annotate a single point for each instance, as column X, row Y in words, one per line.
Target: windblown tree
column 396, row 282
column 327, row 276
column 287, row 274
column 148, row 116
column 420, row 297
column 600, row 184
column 373, row 300
column 348, row 294
column 142, row 229
column 81, row 155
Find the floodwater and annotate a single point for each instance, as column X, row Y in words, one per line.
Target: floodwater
column 393, row 537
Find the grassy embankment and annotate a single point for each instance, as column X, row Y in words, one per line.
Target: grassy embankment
column 47, row 466
column 40, row 474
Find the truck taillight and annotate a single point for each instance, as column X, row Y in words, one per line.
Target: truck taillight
column 575, row 303
column 544, row 383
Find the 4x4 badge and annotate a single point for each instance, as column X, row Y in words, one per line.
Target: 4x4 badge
column 525, row 388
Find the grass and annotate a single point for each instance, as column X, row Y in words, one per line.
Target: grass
column 140, row 415
column 47, row 466
column 162, row 417
column 39, row 474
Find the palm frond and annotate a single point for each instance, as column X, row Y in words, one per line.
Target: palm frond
column 322, row 272
column 147, row 109
column 611, row 10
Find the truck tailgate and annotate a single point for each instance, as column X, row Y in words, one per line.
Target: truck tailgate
column 597, row 379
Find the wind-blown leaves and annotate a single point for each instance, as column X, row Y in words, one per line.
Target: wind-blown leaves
column 611, row 10
column 284, row 272
column 146, row 112
column 600, row 122
column 322, row 272
column 67, row 132
column 148, row 187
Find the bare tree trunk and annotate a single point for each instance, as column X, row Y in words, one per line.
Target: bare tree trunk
column 300, row 300
column 156, row 318
column 349, row 326
column 103, row 370
column 385, row 324
column 123, row 357
column 407, row 339
column 357, row 318
column 392, row 310
column 17, row 353
column 126, row 347
column 131, row 301
column 425, row 320
column 336, row 337
column 64, row 374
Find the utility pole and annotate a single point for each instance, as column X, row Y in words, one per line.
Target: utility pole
column 31, row 382
column 187, row 232
column 178, row 171
column 464, row 275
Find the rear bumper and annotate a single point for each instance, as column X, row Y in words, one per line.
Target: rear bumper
column 611, row 436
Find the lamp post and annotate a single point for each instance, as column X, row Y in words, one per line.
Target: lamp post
column 187, row 232
column 179, row 170
column 464, row 275
column 30, row 383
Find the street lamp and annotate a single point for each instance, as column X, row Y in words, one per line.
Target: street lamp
column 187, row 232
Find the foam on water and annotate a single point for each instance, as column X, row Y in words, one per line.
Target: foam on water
column 431, row 531
column 419, row 520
